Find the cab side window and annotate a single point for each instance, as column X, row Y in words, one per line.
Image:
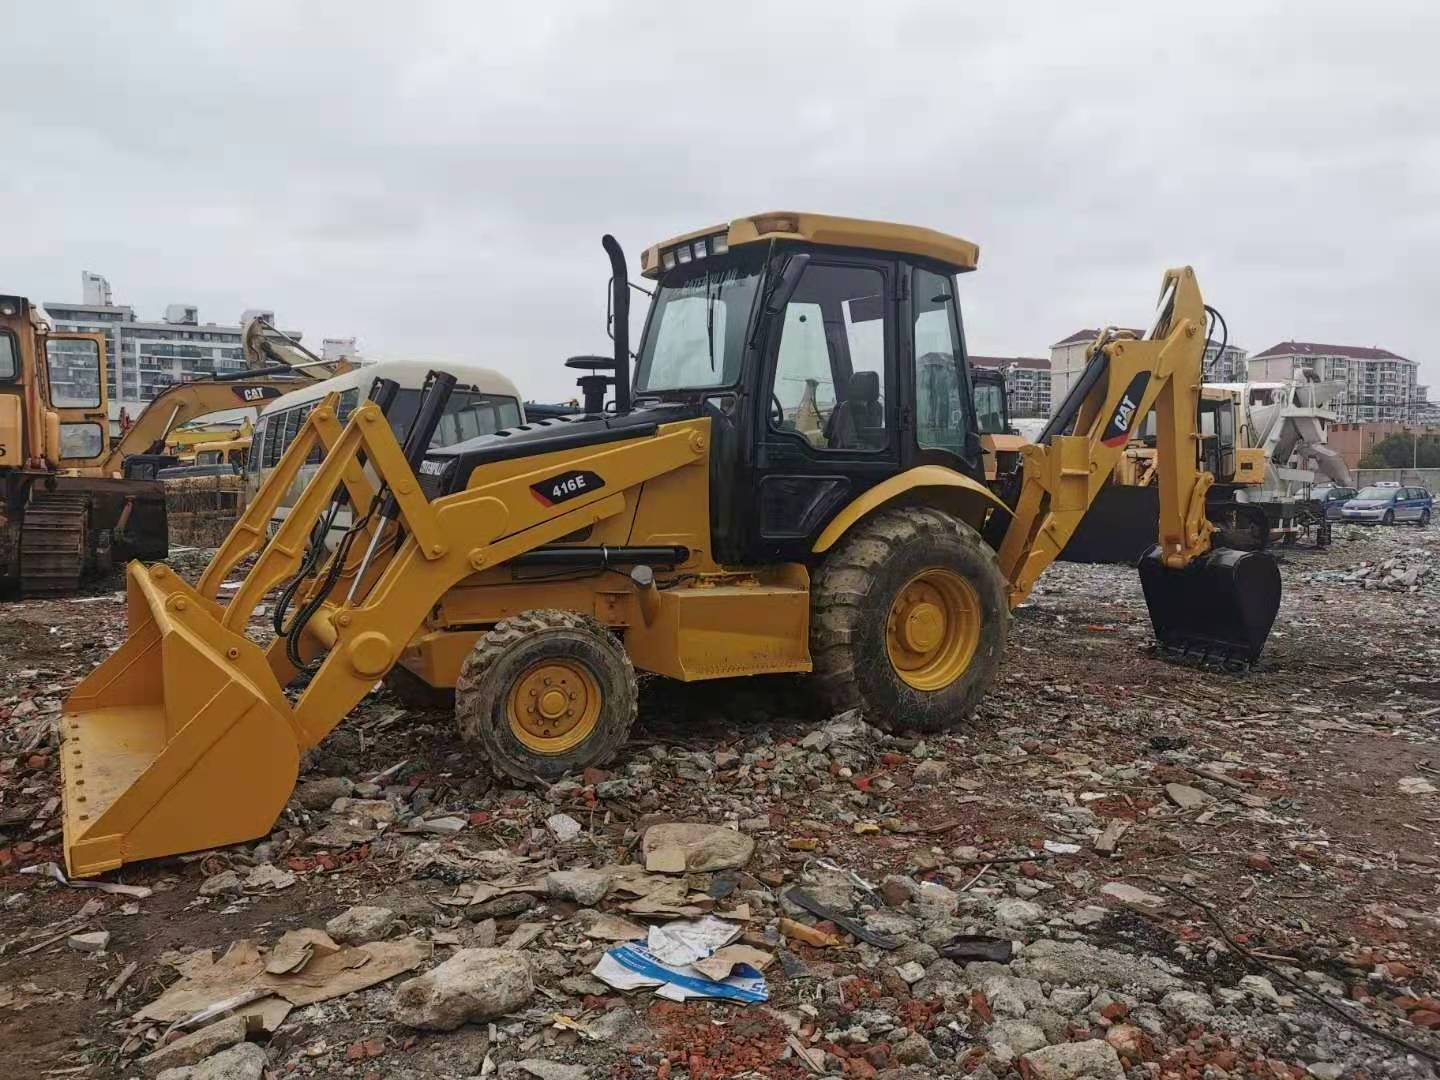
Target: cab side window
column 9, row 365
column 830, row 373
column 941, row 422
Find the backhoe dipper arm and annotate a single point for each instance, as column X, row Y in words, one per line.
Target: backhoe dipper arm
column 1124, row 380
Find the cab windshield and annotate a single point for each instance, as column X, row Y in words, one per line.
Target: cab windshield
column 1377, row 494
column 695, row 339
column 990, row 408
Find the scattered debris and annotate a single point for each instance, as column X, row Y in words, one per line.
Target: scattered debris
column 94, row 941
column 691, row 848
column 473, row 985
column 362, row 923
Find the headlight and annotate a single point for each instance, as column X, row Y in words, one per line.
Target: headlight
column 668, row 260
column 699, row 246
column 683, row 253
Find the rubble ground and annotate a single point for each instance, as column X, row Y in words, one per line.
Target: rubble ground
column 1125, row 867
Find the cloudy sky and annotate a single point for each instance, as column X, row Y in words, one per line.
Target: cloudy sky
column 434, row 178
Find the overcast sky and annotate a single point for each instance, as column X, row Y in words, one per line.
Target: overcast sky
column 434, row 179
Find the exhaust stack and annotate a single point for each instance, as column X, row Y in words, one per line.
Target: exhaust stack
column 620, row 307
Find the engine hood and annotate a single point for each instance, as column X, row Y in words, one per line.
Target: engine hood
column 445, row 471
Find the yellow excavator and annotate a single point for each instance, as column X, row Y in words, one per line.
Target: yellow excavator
column 699, row 525
column 71, row 502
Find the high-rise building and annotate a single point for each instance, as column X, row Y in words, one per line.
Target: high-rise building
column 146, row 357
column 1027, row 382
column 1379, row 385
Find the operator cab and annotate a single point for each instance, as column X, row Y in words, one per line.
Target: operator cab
column 828, row 353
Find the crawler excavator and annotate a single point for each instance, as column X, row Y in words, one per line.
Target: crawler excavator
column 71, row 502
column 689, row 528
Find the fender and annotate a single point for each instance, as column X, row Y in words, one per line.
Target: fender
column 909, row 482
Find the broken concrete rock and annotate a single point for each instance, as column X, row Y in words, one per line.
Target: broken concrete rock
column 1129, row 894
column 545, row 1070
column 1009, row 1039
column 584, row 887
column 360, row 924
column 1077, row 963
column 95, row 941
column 931, row 772
column 245, row 1061
column 914, row 1049
column 321, row 794
column 1012, row 912
column 700, row 848
column 1188, row 1006
column 1094, row 1059
column 474, row 984
column 227, row 881
column 1186, row 797
column 196, row 1046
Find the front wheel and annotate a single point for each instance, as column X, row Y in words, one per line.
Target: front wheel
column 1424, row 518
column 908, row 620
column 544, row 693
column 1389, row 518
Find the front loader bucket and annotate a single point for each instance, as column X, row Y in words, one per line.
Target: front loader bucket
column 1219, row 608
column 181, row 740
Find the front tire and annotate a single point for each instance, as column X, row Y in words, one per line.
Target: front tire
column 1389, row 518
column 545, row 693
column 1424, row 518
column 908, row 620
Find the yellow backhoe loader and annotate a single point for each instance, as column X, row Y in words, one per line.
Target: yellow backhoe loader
column 705, row 525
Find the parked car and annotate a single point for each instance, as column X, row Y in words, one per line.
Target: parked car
column 1387, row 504
column 1332, row 498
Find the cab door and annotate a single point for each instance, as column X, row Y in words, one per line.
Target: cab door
column 939, row 414
column 827, row 418
column 75, row 374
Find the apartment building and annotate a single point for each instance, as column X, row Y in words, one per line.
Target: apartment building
column 145, row 357
column 1027, row 382
column 1379, row 385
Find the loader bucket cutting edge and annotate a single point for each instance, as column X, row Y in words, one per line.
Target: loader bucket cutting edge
column 176, row 742
column 1220, row 607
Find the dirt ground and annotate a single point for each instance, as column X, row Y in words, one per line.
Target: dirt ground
column 1277, row 832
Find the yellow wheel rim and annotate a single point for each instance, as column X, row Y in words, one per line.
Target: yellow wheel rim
column 554, row 706
column 933, row 629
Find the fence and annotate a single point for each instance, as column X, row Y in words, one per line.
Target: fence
column 1428, row 478
column 201, row 509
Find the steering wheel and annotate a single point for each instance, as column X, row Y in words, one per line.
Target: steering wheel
column 777, row 410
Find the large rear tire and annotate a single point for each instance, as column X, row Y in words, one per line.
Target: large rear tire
column 908, row 620
column 545, row 693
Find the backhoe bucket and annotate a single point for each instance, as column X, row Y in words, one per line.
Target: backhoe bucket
column 1219, row 608
column 181, row 740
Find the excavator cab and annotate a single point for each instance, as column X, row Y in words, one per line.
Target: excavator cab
column 791, row 482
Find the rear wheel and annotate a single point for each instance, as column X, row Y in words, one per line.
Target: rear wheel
column 545, row 693
column 908, row 620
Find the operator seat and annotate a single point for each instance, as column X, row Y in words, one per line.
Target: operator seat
column 858, row 422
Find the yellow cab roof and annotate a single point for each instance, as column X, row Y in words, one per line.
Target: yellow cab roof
column 959, row 255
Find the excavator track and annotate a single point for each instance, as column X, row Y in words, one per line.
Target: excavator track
column 53, row 537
